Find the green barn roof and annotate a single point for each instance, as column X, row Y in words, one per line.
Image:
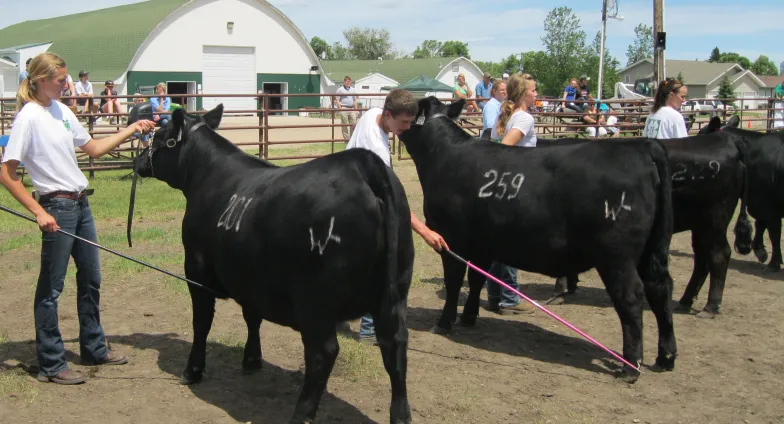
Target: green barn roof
column 400, row 70
column 102, row 42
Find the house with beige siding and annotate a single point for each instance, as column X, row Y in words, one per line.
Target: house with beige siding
column 703, row 78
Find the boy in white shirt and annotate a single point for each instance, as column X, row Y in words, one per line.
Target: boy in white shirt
column 372, row 133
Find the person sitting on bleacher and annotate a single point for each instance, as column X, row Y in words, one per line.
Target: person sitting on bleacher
column 110, row 104
column 161, row 103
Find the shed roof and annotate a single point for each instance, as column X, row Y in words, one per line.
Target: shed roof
column 400, row 70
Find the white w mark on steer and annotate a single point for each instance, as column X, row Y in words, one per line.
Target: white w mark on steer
column 315, row 243
column 229, row 218
column 613, row 212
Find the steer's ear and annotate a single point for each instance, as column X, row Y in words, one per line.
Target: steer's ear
column 178, row 119
column 733, row 122
column 714, row 124
column 213, row 117
column 423, row 110
column 454, row 110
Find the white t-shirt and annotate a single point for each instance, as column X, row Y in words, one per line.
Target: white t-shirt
column 44, row 140
column 369, row 135
column 524, row 122
column 83, row 87
column 346, row 100
column 665, row 123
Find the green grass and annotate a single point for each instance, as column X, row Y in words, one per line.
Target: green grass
column 358, row 361
column 15, row 381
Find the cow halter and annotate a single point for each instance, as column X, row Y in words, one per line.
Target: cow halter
column 171, row 143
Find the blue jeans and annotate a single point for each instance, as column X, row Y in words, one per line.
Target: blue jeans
column 366, row 327
column 498, row 293
column 76, row 218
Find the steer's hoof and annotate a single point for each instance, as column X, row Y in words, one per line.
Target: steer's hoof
column 706, row 314
column 682, row 308
column 251, row 365
column 627, row 375
column 773, row 268
column 440, row 330
column 190, row 378
column 664, row 363
column 556, row 300
column 761, row 254
column 467, row 320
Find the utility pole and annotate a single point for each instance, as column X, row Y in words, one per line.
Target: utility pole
column 521, row 62
column 601, row 52
column 658, row 53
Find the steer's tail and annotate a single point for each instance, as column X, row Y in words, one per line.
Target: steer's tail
column 743, row 229
column 381, row 181
column 654, row 264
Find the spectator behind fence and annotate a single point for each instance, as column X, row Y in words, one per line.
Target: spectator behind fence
column 69, row 89
column 570, row 94
column 593, row 117
column 493, row 107
column 111, row 104
column 483, row 89
column 778, row 105
column 463, row 91
column 84, row 90
column 611, row 117
column 347, row 99
column 161, row 103
column 23, row 73
column 665, row 121
column 584, row 85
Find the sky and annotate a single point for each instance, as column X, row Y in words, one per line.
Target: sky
column 494, row 29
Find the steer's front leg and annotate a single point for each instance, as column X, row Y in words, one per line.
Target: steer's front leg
column 203, row 313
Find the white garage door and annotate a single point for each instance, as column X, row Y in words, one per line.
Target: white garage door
column 229, row 70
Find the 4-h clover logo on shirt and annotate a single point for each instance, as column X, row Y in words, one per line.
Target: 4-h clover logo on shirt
column 67, row 124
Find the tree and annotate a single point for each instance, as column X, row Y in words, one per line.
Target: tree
column 725, row 89
column 643, row 44
column 680, row 78
column 455, row 49
column 368, row 43
column 564, row 43
column 735, row 58
column 715, row 55
column 319, row 46
column 338, row 52
column 428, row 48
column 764, row 66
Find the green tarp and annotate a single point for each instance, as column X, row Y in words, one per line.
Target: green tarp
column 424, row 83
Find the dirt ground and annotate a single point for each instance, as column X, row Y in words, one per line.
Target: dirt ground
column 522, row 369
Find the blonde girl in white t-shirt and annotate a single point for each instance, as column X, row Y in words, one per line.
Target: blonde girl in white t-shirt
column 515, row 126
column 665, row 120
column 44, row 136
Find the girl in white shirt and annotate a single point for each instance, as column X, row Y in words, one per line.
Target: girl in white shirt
column 665, row 120
column 44, row 136
column 515, row 126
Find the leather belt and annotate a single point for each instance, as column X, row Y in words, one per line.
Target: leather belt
column 73, row 195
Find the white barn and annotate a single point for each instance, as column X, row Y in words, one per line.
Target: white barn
column 373, row 83
column 448, row 74
column 193, row 46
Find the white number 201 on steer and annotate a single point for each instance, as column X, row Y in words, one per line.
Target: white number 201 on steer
column 503, row 187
